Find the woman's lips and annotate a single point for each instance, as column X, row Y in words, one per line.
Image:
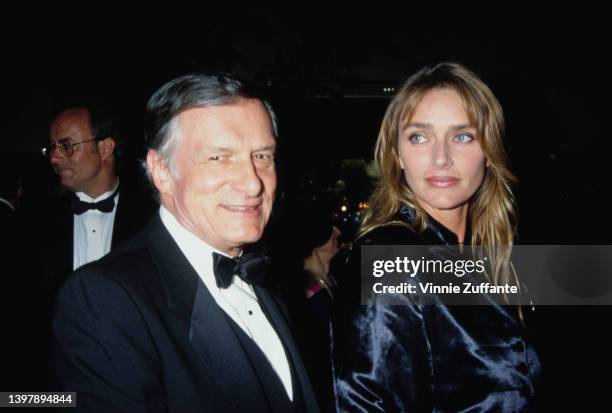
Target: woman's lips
column 442, row 181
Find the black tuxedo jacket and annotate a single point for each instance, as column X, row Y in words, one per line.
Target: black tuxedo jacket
column 134, row 209
column 138, row 331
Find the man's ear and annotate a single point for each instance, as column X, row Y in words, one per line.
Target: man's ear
column 106, row 147
column 160, row 172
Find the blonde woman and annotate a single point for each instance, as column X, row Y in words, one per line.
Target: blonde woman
column 443, row 180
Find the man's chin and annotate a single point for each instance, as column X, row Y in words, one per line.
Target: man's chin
column 247, row 236
column 66, row 179
column 68, row 185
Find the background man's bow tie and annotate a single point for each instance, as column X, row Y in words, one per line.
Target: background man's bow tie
column 106, row 205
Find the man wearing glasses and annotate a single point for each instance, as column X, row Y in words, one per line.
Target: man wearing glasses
column 98, row 210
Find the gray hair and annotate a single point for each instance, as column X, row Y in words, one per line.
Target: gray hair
column 195, row 90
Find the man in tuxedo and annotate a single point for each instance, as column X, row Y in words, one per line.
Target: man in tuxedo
column 176, row 319
column 95, row 210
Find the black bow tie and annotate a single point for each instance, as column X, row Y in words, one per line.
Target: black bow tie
column 251, row 267
column 106, row 205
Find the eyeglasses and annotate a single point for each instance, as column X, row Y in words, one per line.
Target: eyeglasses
column 64, row 145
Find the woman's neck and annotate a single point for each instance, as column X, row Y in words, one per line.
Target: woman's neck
column 453, row 219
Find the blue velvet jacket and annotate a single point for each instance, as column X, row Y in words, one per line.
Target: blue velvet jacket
column 427, row 358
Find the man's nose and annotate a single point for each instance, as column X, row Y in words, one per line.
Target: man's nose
column 247, row 179
column 441, row 156
column 56, row 155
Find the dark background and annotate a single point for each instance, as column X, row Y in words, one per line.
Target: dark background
column 325, row 74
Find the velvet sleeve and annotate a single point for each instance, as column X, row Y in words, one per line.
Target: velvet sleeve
column 381, row 355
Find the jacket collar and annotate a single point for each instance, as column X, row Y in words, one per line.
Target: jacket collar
column 435, row 232
column 179, row 279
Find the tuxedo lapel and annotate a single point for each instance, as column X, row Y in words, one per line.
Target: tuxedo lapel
column 220, row 349
column 127, row 217
column 271, row 382
column 210, row 333
column 121, row 216
column 69, row 250
column 301, row 382
column 64, row 244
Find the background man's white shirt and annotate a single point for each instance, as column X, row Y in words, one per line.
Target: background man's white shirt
column 93, row 231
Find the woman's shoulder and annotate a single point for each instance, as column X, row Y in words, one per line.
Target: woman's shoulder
column 347, row 264
column 393, row 233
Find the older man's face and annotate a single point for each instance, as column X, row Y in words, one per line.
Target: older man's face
column 225, row 178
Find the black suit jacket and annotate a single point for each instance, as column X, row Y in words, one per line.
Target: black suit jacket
column 134, row 209
column 138, row 331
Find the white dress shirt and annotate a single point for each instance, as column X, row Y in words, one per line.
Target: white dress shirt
column 93, row 230
column 238, row 300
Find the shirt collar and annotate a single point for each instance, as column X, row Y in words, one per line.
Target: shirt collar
column 197, row 252
column 86, row 198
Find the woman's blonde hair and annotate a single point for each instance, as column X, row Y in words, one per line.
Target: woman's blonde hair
column 491, row 210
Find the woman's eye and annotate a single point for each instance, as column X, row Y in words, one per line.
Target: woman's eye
column 464, row 138
column 417, row 138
